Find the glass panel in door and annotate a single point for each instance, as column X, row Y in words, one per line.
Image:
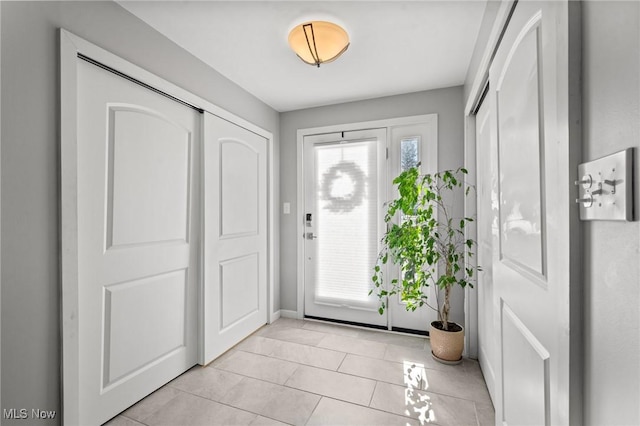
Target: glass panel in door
column 410, row 145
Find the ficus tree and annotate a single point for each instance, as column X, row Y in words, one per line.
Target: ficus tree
column 426, row 242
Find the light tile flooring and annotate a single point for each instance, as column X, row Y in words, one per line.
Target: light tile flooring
column 312, row 373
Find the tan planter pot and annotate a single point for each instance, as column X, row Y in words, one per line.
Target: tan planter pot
column 446, row 346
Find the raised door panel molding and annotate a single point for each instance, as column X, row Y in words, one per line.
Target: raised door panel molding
column 239, row 189
column 239, row 288
column 133, row 342
column 521, row 156
column 525, row 373
column 146, row 151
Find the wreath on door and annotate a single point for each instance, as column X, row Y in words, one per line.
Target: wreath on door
column 343, row 202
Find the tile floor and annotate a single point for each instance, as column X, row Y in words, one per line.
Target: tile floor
column 312, row 373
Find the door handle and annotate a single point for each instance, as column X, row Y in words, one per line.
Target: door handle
column 310, row 236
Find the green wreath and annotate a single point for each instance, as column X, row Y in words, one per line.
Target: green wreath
column 349, row 201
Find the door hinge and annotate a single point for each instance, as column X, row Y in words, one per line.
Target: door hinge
column 387, row 150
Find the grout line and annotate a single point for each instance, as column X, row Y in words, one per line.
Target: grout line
column 357, row 337
column 297, row 365
column 279, row 358
column 384, row 355
column 144, row 419
column 475, row 410
column 345, row 374
column 375, row 409
column 130, row 418
column 290, row 376
column 297, row 344
column 346, row 354
column 234, row 407
column 314, row 409
column 327, row 396
column 448, row 395
column 296, row 328
column 337, row 370
column 373, row 393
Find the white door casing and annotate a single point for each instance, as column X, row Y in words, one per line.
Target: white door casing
column 534, row 269
column 136, row 241
column 474, row 99
column 487, row 200
column 235, row 234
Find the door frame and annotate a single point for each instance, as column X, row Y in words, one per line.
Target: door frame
column 431, row 119
column 70, row 47
column 474, row 98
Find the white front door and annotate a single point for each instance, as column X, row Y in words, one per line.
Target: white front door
column 534, row 269
column 235, row 234
column 137, row 246
column 487, row 199
column 342, row 212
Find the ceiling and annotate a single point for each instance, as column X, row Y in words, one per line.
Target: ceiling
column 396, row 46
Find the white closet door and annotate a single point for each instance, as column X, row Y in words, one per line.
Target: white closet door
column 235, row 234
column 137, row 271
column 535, row 271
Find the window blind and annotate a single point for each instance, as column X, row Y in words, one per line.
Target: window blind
column 347, row 200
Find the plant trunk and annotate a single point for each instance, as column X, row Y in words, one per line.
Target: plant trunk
column 445, row 309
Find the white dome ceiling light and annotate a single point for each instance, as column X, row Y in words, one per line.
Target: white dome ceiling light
column 318, row 42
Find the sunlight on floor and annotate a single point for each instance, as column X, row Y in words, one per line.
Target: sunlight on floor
column 415, row 375
column 420, row 404
column 416, row 402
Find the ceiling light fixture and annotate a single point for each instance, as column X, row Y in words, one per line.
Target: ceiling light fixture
column 318, row 42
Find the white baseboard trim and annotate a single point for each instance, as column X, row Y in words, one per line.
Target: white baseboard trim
column 274, row 316
column 285, row 313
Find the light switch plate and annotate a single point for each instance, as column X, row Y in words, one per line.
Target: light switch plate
column 286, row 208
column 605, row 187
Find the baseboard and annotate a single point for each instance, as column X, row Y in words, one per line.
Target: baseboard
column 274, row 316
column 285, row 313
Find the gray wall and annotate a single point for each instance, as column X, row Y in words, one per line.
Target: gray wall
column 447, row 103
column 29, row 154
column 611, row 253
column 611, row 117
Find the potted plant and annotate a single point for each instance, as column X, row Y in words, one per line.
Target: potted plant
column 430, row 248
